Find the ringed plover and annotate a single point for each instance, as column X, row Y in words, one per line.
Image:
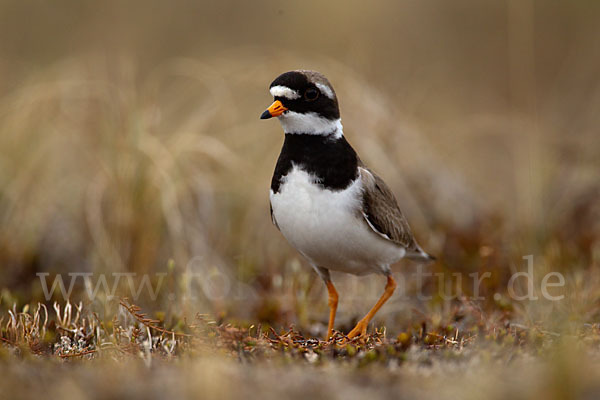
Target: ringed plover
column 334, row 210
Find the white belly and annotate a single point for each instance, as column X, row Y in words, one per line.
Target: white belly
column 327, row 226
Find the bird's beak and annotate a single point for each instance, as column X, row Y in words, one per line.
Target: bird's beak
column 274, row 110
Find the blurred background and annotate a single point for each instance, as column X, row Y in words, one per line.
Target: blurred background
column 130, row 142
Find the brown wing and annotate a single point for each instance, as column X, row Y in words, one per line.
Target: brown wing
column 382, row 213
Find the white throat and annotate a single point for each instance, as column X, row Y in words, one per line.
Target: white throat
column 310, row 124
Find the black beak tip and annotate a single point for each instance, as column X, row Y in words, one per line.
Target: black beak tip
column 265, row 115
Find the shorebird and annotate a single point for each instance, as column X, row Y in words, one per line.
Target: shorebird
column 334, row 210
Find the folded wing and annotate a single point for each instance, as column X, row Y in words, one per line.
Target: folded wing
column 382, row 213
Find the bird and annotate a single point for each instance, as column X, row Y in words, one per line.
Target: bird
column 338, row 213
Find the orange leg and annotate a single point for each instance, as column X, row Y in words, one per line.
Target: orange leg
column 333, row 302
column 361, row 326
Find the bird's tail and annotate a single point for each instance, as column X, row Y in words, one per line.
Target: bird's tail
column 418, row 255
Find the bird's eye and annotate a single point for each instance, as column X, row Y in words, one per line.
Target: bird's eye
column 311, row 94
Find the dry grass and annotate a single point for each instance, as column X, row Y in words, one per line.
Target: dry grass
column 137, row 357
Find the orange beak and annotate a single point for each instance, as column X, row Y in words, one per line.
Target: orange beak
column 274, row 110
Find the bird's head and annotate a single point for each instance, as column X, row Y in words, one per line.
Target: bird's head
column 305, row 103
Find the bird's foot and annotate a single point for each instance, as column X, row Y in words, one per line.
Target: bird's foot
column 329, row 335
column 359, row 330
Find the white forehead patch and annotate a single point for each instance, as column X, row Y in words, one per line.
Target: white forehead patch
column 284, row 91
column 326, row 90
